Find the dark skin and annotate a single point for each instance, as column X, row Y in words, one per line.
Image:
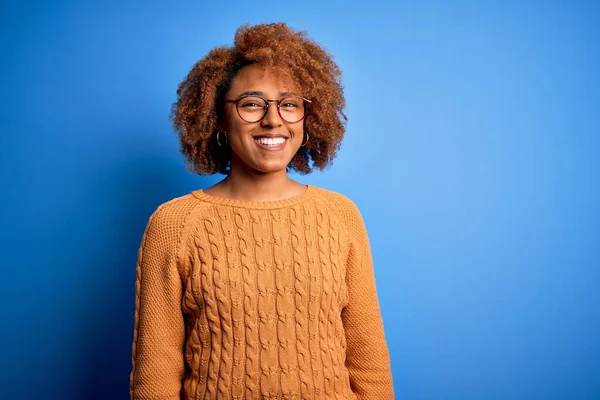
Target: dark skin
column 258, row 174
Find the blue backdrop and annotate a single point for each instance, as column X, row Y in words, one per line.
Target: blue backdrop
column 472, row 149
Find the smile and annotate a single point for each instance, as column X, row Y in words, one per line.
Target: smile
column 271, row 142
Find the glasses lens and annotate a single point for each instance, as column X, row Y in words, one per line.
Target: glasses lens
column 292, row 109
column 251, row 109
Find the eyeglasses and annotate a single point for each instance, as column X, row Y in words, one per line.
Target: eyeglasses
column 252, row 108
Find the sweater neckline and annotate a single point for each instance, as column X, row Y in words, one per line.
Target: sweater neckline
column 257, row 205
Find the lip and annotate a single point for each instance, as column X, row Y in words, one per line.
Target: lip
column 271, row 135
column 270, row 148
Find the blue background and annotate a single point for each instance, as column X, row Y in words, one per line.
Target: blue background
column 472, row 149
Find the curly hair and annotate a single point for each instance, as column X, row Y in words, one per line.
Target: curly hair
column 200, row 97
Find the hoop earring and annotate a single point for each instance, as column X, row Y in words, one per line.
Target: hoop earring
column 218, row 138
column 307, row 138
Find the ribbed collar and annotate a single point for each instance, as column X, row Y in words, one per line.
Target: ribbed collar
column 257, row 205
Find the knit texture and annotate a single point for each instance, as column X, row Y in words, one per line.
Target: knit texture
column 258, row 300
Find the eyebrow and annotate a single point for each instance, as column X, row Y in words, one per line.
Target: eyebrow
column 258, row 93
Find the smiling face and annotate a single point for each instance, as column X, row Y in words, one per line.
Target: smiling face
column 266, row 146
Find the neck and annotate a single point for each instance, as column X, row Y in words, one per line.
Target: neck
column 242, row 184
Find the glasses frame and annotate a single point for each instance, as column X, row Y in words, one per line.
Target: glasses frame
column 307, row 103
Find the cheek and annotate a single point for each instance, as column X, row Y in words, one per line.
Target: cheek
column 297, row 132
column 231, row 125
column 231, row 122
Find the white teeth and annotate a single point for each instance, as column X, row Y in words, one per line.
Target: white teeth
column 270, row 141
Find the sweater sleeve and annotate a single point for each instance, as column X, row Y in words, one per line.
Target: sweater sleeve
column 157, row 356
column 367, row 356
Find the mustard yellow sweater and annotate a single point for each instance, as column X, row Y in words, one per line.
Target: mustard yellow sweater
column 258, row 300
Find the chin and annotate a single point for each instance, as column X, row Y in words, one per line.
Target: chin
column 271, row 169
column 265, row 164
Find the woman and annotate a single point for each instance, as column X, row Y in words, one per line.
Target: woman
column 259, row 287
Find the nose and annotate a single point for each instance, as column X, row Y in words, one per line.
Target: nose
column 272, row 117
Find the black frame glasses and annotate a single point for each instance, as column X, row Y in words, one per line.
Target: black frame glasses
column 306, row 103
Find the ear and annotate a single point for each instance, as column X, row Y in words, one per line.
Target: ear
column 221, row 126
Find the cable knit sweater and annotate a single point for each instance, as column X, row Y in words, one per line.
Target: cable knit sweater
column 258, row 300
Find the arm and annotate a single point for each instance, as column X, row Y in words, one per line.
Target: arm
column 367, row 358
column 158, row 339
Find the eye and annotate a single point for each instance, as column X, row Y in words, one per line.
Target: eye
column 289, row 103
column 249, row 104
column 252, row 102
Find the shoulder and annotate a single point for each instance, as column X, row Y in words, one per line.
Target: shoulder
column 334, row 198
column 173, row 209
column 342, row 206
column 169, row 220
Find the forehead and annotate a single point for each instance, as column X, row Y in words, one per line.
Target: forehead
column 261, row 79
